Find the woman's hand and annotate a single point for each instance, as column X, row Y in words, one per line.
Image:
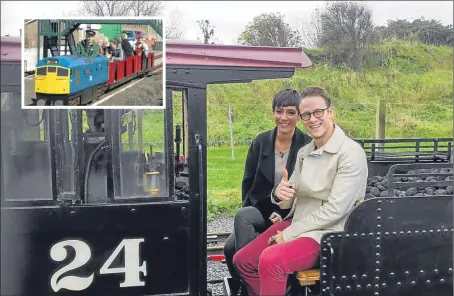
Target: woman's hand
column 276, row 239
column 275, row 218
column 284, row 191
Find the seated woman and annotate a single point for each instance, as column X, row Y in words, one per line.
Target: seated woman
column 328, row 181
column 268, row 155
column 126, row 46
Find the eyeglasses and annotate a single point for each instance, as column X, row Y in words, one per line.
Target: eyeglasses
column 290, row 112
column 317, row 114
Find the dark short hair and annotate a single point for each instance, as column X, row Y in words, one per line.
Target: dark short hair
column 285, row 98
column 317, row 91
column 114, row 41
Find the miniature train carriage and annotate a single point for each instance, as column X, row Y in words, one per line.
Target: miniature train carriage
column 94, row 203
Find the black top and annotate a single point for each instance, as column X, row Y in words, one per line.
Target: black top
column 127, row 48
column 258, row 180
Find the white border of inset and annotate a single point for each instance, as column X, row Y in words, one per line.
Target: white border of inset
column 93, row 106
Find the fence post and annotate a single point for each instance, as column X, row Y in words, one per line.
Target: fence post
column 231, row 132
column 381, row 123
column 130, row 135
column 139, row 129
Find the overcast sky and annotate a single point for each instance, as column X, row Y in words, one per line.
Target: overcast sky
column 228, row 17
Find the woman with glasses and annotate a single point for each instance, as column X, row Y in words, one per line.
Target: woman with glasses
column 328, row 181
column 269, row 154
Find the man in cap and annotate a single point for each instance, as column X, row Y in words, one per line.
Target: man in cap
column 88, row 48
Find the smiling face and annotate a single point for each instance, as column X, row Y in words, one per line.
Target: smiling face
column 317, row 117
column 286, row 119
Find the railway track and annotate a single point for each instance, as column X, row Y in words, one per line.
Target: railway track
column 215, row 250
column 215, row 245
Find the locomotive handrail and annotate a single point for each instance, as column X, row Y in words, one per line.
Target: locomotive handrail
column 435, row 150
column 400, row 140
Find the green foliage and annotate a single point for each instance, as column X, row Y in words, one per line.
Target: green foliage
column 426, row 31
column 346, row 28
column 270, row 29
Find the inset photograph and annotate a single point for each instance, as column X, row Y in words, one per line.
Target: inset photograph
column 97, row 62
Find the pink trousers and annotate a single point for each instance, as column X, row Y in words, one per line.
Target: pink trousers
column 264, row 269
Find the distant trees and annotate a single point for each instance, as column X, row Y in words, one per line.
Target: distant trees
column 345, row 30
column 311, row 29
column 270, row 29
column 207, row 30
column 425, row 31
column 173, row 25
column 121, row 8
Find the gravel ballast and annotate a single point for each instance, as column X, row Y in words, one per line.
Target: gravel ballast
column 215, row 269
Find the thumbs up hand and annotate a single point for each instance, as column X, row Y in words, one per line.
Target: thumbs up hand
column 284, row 191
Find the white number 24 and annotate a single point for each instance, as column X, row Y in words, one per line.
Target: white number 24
column 132, row 268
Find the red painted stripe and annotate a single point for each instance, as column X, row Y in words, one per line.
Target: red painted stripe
column 216, row 258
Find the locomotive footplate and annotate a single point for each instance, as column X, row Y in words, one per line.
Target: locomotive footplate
column 391, row 247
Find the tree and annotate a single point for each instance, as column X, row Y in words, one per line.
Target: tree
column 121, row 8
column 270, row 29
column 207, row 30
column 346, row 28
column 310, row 29
column 173, row 25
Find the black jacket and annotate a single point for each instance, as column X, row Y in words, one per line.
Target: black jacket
column 127, row 48
column 258, row 180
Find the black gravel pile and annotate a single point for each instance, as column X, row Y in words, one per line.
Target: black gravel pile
column 378, row 185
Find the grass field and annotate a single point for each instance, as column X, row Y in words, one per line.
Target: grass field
column 224, row 179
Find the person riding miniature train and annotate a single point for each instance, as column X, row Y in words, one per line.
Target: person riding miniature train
column 126, row 46
column 88, row 48
column 141, row 49
column 114, row 51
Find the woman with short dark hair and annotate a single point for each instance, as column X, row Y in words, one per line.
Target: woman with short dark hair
column 270, row 153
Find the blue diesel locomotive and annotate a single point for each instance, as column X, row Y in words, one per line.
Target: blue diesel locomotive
column 68, row 77
column 72, row 80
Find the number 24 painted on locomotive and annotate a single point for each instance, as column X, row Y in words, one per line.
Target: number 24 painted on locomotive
column 132, row 268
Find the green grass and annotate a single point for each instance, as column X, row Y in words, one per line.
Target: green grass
column 224, row 179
